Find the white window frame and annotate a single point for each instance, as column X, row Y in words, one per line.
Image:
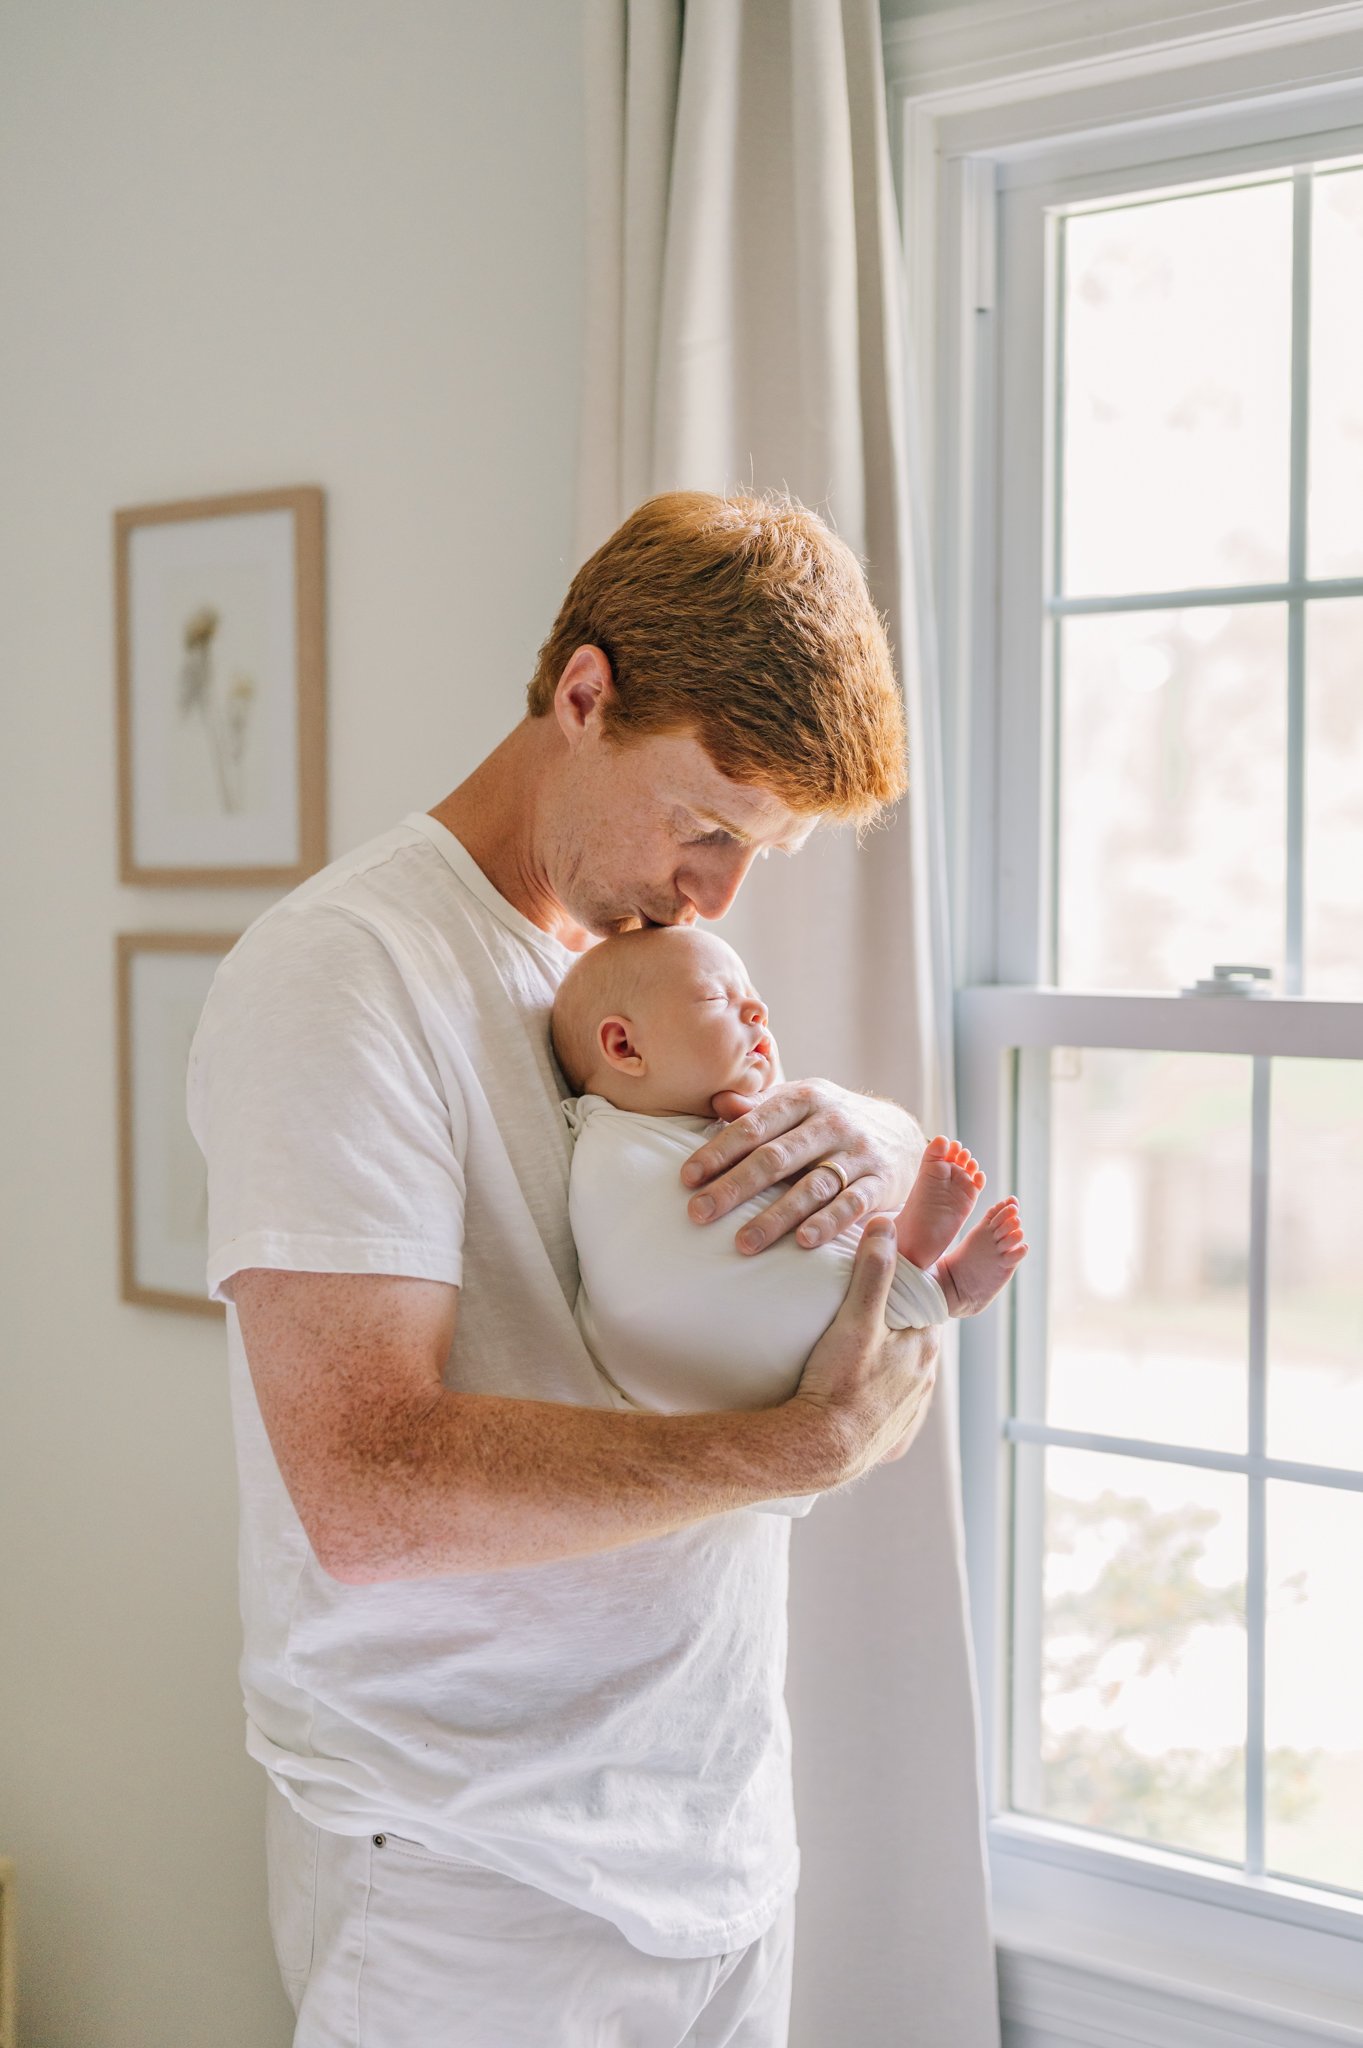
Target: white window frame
column 1059, row 101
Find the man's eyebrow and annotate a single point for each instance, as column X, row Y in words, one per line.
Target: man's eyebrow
column 705, row 816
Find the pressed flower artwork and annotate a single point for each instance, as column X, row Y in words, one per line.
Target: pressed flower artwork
column 215, row 759
column 221, row 727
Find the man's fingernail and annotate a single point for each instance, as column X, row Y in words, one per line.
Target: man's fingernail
column 751, row 1240
column 703, row 1208
column 808, row 1235
column 691, row 1174
column 880, row 1226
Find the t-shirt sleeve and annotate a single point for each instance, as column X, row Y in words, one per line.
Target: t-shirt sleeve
column 332, row 1140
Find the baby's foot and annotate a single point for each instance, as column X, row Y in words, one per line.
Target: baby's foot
column 941, row 1198
column 984, row 1262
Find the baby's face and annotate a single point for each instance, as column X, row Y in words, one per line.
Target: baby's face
column 680, row 1024
column 701, row 1025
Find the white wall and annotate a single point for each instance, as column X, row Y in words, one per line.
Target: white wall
column 275, row 242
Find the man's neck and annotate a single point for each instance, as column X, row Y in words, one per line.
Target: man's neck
column 494, row 814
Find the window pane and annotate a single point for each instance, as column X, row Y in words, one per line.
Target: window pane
column 1335, row 529
column 1143, row 1651
column 1315, row 1296
column 1172, row 810
column 1334, row 791
column 1177, row 392
column 1314, row 1788
column 1149, row 1245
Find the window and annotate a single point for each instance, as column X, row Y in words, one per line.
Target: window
column 1164, row 1431
column 1206, row 585
column 1188, row 1400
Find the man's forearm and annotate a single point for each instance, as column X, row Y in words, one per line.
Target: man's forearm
column 479, row 1482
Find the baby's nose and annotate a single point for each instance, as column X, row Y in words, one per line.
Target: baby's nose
column 755, row 1011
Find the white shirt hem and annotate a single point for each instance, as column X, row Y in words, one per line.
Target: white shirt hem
column 296, row 1252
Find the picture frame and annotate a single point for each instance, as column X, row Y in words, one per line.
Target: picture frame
column 221, row 697
column 8, row 1965
column 162, row 982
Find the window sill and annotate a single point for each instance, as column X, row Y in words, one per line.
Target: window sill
column 1109, row 1995
column 1337, row 1914
column 1114, row 1949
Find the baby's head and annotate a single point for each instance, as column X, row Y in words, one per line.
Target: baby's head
column 662, row 1020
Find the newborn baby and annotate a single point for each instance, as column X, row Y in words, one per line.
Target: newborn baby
column 648, row 1027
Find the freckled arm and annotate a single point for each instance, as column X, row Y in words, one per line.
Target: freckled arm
column 395, row 1476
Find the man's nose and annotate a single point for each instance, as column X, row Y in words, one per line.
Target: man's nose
column 712, row 890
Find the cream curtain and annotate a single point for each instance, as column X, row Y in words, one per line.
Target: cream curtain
column 745, row 325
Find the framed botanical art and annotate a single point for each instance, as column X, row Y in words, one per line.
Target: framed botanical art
column 8, row 2036
column 221, row 689
column 163, row 982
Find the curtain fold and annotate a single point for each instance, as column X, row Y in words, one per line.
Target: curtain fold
column 746, row 325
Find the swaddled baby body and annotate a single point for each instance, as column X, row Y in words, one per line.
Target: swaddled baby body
column 649, row 1027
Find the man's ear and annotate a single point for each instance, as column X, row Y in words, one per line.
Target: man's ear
column 615, row 1036
column 582, row 693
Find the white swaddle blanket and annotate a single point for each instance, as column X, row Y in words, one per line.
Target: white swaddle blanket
column 678, row 1320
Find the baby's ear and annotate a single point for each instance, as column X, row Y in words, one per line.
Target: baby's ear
column 615, row 1036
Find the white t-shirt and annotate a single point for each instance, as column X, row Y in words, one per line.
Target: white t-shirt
column 372, row 1086
column 675, row 1315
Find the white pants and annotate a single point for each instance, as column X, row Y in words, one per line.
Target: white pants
column 383, row 1945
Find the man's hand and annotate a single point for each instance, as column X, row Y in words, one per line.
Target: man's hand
column 873, row 1385
column 783, row 1135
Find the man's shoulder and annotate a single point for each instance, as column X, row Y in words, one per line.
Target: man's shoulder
column 365, row 900
column 326, row 970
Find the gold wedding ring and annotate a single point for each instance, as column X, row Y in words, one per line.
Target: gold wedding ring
column 833, row 1167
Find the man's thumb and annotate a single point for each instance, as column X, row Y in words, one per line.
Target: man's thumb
column 873, row 1269
column 730, row 1105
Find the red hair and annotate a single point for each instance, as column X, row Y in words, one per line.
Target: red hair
column 747, row 622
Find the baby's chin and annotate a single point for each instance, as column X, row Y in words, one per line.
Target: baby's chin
column 684, row 1102
column 753, row 1078
column 751, row 1081
column 702, row 1104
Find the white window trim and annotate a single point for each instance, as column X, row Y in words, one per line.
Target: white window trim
column 1010, row 89
column 1097, row 1945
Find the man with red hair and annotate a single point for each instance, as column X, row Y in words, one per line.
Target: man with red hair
column 514, row 1659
